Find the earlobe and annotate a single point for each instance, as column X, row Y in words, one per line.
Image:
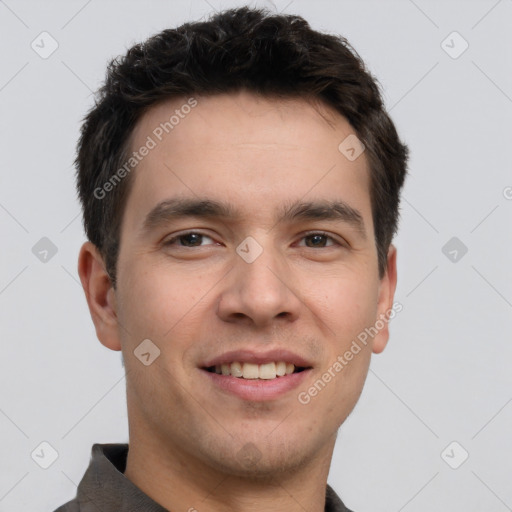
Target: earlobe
column 100, row 295
column 385, row 302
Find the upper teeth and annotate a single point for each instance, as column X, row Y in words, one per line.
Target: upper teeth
column 256, row 371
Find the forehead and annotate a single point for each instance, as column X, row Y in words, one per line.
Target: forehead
column 242, row 116
column 250, row 149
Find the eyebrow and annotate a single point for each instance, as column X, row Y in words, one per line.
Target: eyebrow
column 178, row 208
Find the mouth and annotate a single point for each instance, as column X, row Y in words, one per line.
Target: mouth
column 253, row 371
column 257, row 376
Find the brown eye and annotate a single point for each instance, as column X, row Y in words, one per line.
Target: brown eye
column 190, row 239
column 319, row 240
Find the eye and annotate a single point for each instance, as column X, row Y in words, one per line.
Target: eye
column 319, row 240
column 188, row 239
column 314, row 240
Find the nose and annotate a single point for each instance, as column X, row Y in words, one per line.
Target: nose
column 260, row 293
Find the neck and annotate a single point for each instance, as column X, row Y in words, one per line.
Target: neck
column 180, row 481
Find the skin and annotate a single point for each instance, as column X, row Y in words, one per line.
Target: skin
column 196, row 302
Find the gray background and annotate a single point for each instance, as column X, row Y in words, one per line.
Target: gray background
column 445, row 375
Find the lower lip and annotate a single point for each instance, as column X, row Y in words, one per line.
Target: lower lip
column 258, row 390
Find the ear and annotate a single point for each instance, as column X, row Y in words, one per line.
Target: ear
column 100, row 295
column 385, row 302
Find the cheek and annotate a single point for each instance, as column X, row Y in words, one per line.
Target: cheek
column 347, row 306
column 155, row 301
column 344, row 304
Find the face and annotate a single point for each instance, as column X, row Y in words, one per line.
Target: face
column 277, row 264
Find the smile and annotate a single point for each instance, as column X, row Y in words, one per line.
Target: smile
column 265, row 371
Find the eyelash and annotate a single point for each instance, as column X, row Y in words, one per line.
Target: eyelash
column 171, row 241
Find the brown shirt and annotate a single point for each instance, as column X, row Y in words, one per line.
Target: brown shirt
column 104, row 488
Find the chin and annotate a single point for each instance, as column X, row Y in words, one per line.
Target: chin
column 261, row 459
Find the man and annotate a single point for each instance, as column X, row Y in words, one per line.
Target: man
column 240, row 183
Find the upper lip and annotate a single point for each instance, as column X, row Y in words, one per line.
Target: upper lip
column 255, row 357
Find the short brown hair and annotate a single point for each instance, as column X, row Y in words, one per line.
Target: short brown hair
column 253, row 49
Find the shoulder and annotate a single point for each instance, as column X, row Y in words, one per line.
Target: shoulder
column 70, row 506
